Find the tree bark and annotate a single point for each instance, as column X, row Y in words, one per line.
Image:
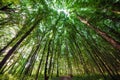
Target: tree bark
column 46, row 77
column 17, row 44
column 12, row 41
column 32, row 60
column 51, row 60
column 39, row 66
column 104, row 35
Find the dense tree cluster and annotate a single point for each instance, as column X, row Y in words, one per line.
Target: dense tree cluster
column 44, row 39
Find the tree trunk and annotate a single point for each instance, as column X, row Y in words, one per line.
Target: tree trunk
column 17, row 44
column 46, row 77
column 32, row 60
column 12, row 41
column 39, row 66
column 51, row 60
column 104, row 35
column 2, row 50
column 68, row 60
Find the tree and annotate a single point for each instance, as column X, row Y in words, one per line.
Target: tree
column 46, row 39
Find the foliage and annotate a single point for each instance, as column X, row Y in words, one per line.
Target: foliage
column 10, row 1
column 46, row 39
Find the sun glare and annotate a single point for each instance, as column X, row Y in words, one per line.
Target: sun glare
column 66, row 12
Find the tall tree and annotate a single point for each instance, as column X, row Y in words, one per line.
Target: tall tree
column 104, row 35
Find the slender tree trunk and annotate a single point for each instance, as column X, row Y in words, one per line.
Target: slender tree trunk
column 57, row 75
column 68, row 60
column 39, row 66
column 17, row 44
column 1, row 51
column 104, row 35
column 23, row 66
column 32, row 59
column 46, row 77
column 51, row 60
column 97, row 64
column 99, row 59
column 103, row 63
column 12, row 41
column 106, row 56
column 53, row 64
